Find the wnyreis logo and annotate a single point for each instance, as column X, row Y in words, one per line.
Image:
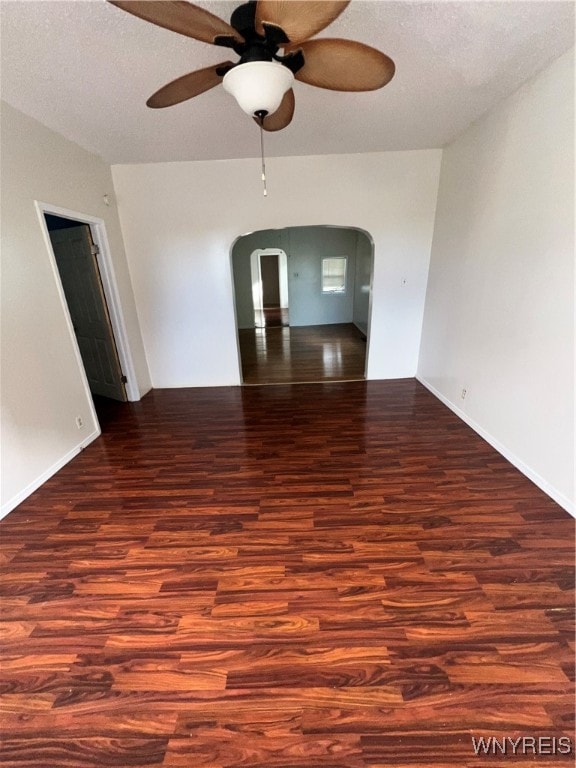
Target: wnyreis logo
column 522, row 745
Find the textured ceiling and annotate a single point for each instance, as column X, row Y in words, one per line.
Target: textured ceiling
column 85, row 69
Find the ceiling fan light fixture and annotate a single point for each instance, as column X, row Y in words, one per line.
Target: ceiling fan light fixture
column 258, row 86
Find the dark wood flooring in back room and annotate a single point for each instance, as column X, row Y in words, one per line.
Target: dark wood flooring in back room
column 275, row 354
column 334, row 576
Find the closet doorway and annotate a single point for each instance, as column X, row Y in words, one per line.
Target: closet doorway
column 269, row 269
column 80, row 254
column 75, row 253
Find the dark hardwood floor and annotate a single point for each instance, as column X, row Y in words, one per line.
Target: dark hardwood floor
column 271, row 317
column 311, row 353
column 334, row 576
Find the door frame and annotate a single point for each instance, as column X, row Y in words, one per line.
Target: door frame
column 109, row 286
column 256, row 272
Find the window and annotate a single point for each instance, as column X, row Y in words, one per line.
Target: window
column 334, row 274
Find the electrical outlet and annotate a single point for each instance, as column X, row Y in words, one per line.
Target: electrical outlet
column 79, row 422
column 463, row 393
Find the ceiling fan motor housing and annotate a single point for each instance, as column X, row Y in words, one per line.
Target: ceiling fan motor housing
column 259, row 47
column 243, row 19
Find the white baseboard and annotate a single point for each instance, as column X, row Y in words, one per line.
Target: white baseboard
column 363, row 331
column 35, row 484
column 544, row 485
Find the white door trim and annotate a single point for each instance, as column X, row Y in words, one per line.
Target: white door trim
column 109, row 285
column 256, row 271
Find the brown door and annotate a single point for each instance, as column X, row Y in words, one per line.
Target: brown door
column 75, row 255
column 270, row 279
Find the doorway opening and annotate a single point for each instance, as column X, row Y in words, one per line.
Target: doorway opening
column 81, row 260
column 269, row 269
column 300, row 316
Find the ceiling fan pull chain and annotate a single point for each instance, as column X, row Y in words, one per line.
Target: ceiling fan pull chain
column 261, row 123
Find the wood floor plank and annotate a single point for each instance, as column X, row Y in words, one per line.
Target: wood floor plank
column 275, row 354
column 337, row 575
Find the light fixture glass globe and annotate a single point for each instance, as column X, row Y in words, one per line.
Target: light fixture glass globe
column 258, row 86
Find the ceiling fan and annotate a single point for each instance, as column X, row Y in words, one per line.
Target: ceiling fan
column 272, row 39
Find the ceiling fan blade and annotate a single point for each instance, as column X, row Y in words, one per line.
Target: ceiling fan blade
column 300, row 19
column 343, row 65
column 180, row 16
column 283, row 115
column 187, row 86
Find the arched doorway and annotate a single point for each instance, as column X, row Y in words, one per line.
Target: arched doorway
column 324, row 328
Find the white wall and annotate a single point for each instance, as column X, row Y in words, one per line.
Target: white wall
column 499, row 317
column 42, row 382
column 307, row 247
column 242, row 266
column 180, row 220
column 362, row 282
